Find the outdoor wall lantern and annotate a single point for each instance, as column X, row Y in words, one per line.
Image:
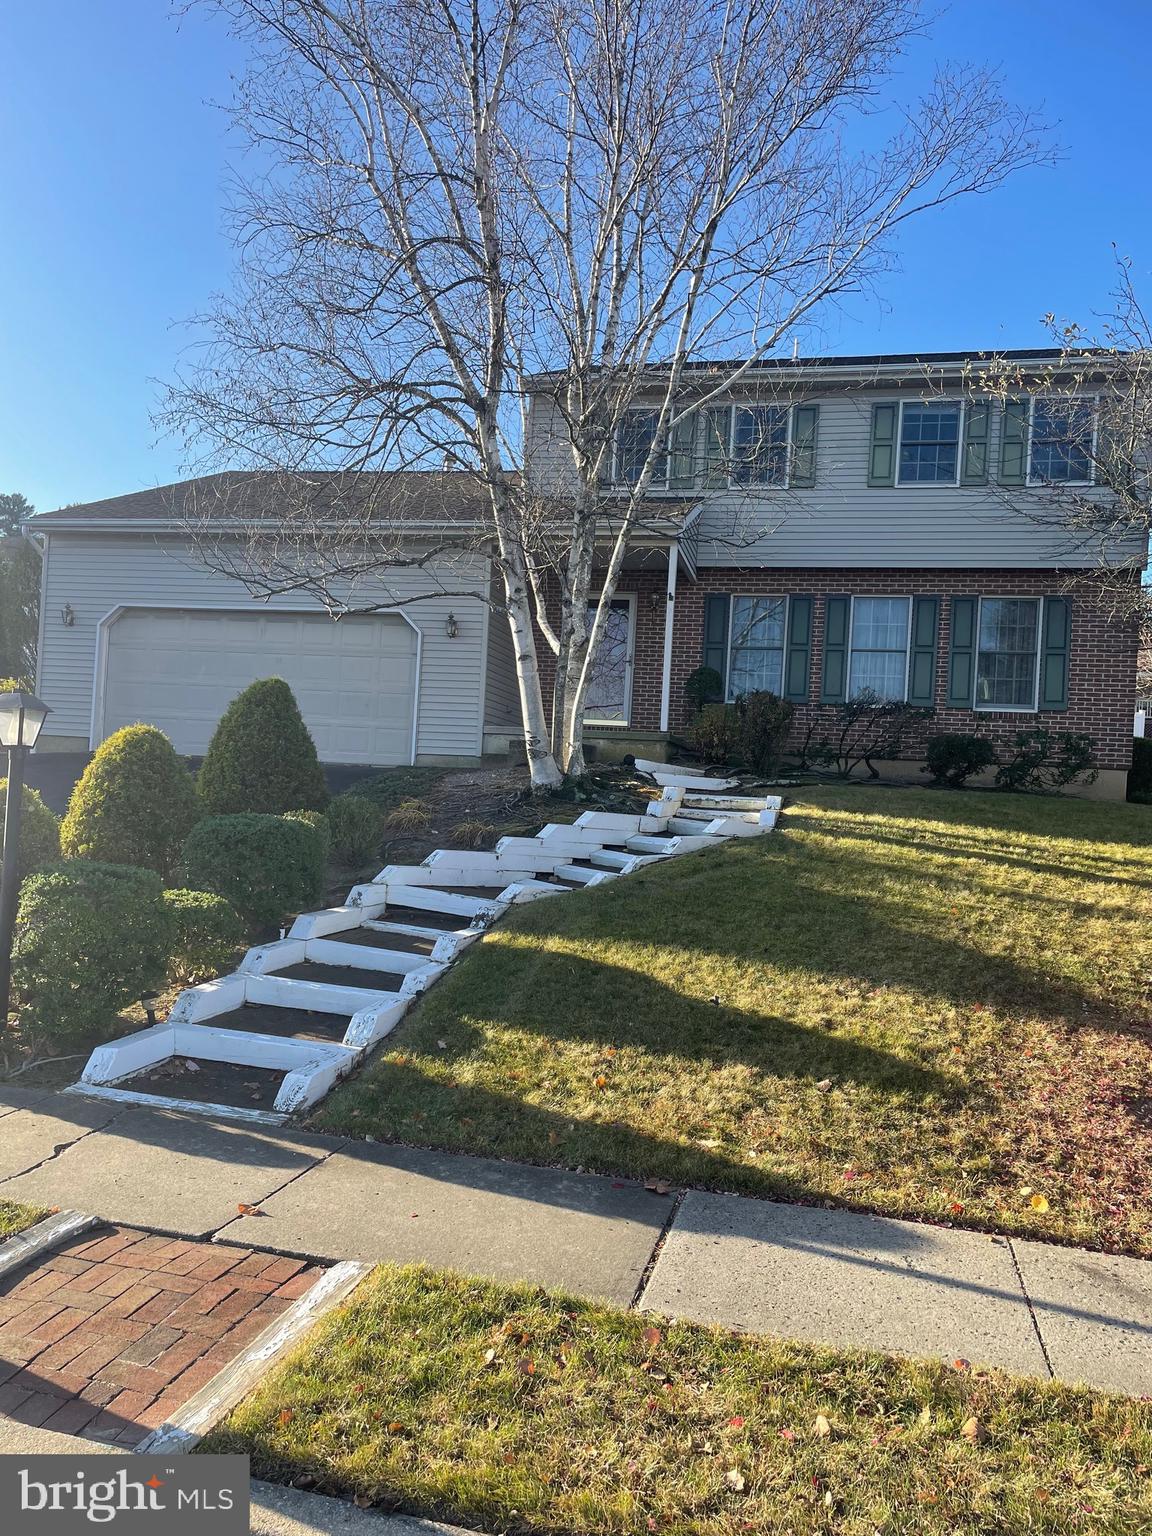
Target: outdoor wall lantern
column 452, row 627
column 21, row 717
column 67, row 616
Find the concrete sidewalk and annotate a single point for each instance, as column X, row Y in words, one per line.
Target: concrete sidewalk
column 801, row 1272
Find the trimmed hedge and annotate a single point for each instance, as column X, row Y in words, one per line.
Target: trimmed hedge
column 134, row 804
column 39, row 830
column 90, row 939
column 267, row 867
column 953, row 757
column 204, row 935
column 1140, row 774
column 355, row 829
column 262, row 756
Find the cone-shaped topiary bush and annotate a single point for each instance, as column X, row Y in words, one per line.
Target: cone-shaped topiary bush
column 262, row 756
column 39, row 830
column 135, row 803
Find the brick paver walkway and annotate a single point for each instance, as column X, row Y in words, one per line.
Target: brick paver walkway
column 107, row 1335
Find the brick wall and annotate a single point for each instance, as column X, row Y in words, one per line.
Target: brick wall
column 1102, row 663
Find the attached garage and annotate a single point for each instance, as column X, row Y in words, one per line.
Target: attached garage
column 355, row 679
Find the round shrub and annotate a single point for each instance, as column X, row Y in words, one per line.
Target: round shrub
column 134, row 804
column 954, row 757
column 262, row 756
column 204, row 935
column 267, row 867
column 318, row 821
column 39, row 830
column 714, row 732
column 703, row 686
column 90, row 939
column 765, row 724
column 355, row 829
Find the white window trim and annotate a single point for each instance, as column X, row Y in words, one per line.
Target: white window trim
column 772, row 597
column 1009, row 709
column 662, row 488
column 904, row 597
column 630, row 667
column 1093, row 401
column 932, row 485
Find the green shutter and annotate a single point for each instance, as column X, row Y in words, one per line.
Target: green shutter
column 805, row 427
column 1054, row 656
column 716, row 636
column 962, row 652
column 681, row 453
column 882, row 450
column 974, row 465
column 834, row 675
column 1014, row 442
column 922, row 661
column 798, row 657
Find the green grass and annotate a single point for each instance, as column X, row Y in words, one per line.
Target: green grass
column 14, row 1218
column 509, row 1409
column 922, row 1003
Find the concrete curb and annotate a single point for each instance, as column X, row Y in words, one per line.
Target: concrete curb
column 280, row 1511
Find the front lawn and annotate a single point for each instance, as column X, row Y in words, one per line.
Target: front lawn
column 508, row 1409
column 923, row 1003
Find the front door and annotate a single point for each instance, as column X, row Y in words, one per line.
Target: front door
column 609, row 697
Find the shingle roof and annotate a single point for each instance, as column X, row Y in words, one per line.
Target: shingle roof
column 437, row 497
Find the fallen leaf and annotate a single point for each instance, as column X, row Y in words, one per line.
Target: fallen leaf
column 1039, row 1203
column 735, row 1479
column 395, row 1427
column 362, row 1500
column 788, row 1434
column 601, row 1081
column 284, row 1416
column 657, row 1186
column 736, row 1422
column 489, row 1356
column 652, row 1337
column 822, row 1427
column 961, row 1364
column 973, row 1430
column 249, row 1210
column 526, row 1367
column 824, row 1085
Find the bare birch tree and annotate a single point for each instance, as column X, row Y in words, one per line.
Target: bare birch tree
column 469, row 204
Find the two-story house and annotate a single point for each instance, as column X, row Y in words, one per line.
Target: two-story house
column 823, row 527
column 868, row 523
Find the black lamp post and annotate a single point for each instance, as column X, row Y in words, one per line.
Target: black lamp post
column 21, row 717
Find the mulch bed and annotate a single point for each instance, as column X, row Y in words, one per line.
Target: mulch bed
column 109, row 1334
column 211, row 1082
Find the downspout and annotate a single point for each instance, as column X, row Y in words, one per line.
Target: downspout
column 669, row 625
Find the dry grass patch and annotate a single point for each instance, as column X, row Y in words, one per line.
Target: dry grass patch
column 506, row 1408
column 925, row 1004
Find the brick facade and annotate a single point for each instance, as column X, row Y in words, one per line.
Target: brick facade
column 1102, row 661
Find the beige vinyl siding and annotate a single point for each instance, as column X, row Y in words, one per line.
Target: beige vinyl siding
column 97, row 573
column 501, row 694
column 842, row 521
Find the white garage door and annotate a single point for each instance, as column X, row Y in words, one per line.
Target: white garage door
column 180, row 669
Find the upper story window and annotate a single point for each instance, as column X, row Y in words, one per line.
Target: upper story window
column 1061, row 441
column 878, row 653
column 929, row 442
column 715, row 446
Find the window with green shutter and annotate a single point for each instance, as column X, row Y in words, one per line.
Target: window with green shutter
column 834, row 668
column 882, row 448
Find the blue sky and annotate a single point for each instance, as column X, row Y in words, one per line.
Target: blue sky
column 115, row 176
